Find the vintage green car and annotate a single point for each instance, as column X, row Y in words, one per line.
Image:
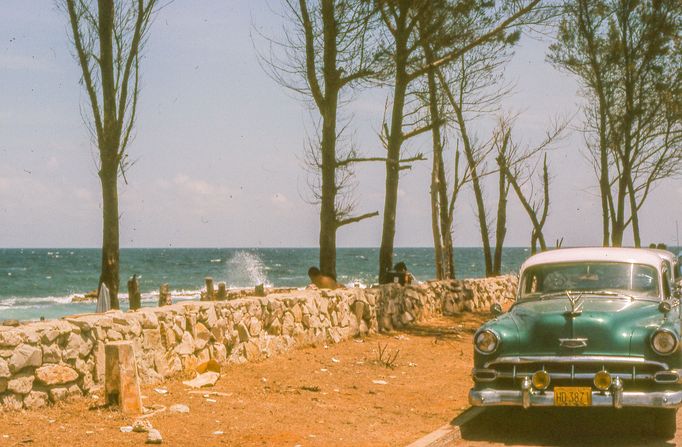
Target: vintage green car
column 590, row 327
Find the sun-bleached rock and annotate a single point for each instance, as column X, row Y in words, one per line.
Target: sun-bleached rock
column 55, row 375
column 25, row 356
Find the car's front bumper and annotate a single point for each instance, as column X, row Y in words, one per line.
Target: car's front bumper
column 655, row 399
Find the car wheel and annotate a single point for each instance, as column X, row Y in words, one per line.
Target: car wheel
column 665, row 423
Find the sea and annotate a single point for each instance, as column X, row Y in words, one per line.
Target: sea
column 37, row 283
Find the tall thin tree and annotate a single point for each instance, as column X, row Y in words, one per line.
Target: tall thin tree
column 401, row 21
column 624, row 54
column 323, row 55
column 108, row 36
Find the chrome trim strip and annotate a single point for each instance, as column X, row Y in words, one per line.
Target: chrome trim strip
column 674, row 376
column 573, row 343
column 660, row 399
column 576, row 376
column 476, row 374
column 520, row 360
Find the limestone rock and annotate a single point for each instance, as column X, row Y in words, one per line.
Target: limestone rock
column 114, row 335
column 9, row 338
column 21, row 383
column 59, row 394
column 297, row 313
column 252, row 350
column 142, row 426
column 12, row 402
column 55, row 375
column 4, row 369
column 148, row 319
column 3, row 385
column 186, row 346
column 243, row 333
column 288, row 324
column 179, row 408
column 255, row 327
column 154, row 437
column 202, row 336
column 52, row 353
column 219, row 353
column 151, row 339
column 77, row 346
column 24, row 356
column 35, row 400
column 209, row 378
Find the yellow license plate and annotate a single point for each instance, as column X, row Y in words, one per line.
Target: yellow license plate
column 572, row 396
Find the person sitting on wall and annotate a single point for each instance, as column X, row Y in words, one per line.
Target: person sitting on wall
column 401, row 275
column 322, row 281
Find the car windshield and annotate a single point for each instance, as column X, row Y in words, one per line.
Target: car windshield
column 604, row 278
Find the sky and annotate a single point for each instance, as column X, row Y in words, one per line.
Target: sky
column 219, row 145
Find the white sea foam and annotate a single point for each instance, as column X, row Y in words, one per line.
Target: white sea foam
column 32, row 302
column 216, row 261
column 246, row 269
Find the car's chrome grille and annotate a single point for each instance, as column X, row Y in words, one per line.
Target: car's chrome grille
column 574, row 369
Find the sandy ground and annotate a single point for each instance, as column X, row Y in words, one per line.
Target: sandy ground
column 319, row 396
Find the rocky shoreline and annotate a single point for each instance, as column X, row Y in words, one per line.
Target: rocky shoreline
column 50, row 361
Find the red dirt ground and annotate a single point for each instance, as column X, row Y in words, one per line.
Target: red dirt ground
column 319, row 396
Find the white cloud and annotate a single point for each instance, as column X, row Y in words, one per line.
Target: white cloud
column 20, row 62
column 280, row 201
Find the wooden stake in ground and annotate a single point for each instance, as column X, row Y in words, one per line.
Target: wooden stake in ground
column 134, row 298
column 210, row 292
column 222, row 291
column 121, row 383
column 164, row 296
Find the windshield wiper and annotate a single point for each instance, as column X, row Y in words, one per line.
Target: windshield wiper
column 608, row 293
column 565, row 293
column 561, row 293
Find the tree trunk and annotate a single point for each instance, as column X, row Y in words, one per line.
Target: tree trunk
column 328, row 217
column 501, row 230
column 109, row 157
column 439, row 193
column 478, row 192
column 110, row 233
column 395, row 140
column 604, row 184
column 634, row 213
column 435, row 227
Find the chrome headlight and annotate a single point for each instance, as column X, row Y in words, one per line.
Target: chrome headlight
column 486, row 342
column 664, row 342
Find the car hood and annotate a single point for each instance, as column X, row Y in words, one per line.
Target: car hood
column 611, row 326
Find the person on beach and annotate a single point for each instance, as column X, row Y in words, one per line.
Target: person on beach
column 403, row 276
column 322, row 281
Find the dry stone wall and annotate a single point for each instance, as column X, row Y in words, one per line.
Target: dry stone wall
column 51, row 361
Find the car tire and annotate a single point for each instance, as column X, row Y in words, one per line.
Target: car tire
column 665, row 423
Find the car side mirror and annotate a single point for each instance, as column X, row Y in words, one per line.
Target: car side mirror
column 496, row 309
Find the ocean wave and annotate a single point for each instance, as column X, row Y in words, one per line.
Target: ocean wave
column 34, row 301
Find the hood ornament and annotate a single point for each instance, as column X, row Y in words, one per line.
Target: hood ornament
column 576, row 304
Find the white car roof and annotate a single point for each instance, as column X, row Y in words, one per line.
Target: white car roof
column 665, row 254
column 603, row 254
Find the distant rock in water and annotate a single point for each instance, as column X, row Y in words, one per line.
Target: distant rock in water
column 90, row 296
